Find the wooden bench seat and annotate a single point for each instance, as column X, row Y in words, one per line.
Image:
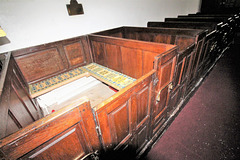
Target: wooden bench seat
column 113, row 78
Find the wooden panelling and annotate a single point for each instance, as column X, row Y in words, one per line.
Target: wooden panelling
column 113, row 58
column 178, row 73
column 164, row 94
column 175, row 99
column 40, row 64
column 4, row 104
column 181, row 37
column 142, row 137
column 17, row 108
column 195, row 61
column 148, row 61
column 75, row 53
column 208, row 26
column 63, row 134
column 130, row 67
column 184, row 42
column 132, row 61
column 58, row 146
column 197, row 19
column 181, row 75
column 161, row 38
column 99, row 50
column 187, row 66
column 144, row 36
column 143, row 107
column 127, row 116
column 165, row 74
column 120, row 123
column 146, row 46
column 44, row 61
column 12, row 125
column 166, row 69
column 187, row 39
column 24, row 97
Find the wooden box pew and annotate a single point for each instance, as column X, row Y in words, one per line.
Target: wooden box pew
column 232, row 21
column 220, row 37
column 141, row 116
column 210, row 48
column 225, row 31
column 190, row 50
column 120, row 120
column 190, row 44
column 235, row 16
column 213, row 14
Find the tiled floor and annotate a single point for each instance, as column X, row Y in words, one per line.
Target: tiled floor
column 208, row 127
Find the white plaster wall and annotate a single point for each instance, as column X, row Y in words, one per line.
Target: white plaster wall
column 33, row 22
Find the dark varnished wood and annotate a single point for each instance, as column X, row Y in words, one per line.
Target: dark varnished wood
column 198, row 19
column 188, row 40
column 211, row 44
column 17, row 108
column 53, row 58
column 123, row 119
column 225, row 30
column 135, row 57
column 65, row 131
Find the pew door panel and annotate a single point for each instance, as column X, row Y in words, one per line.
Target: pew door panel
column 181, row 75
column 125, row 121
column 69, row 144
column 166, row 68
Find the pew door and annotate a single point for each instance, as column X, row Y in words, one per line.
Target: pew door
column 165, row 70
column 124, row 122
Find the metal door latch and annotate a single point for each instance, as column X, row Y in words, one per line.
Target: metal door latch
column 170, row 86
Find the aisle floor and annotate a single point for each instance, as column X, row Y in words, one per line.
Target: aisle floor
column 208, row 127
